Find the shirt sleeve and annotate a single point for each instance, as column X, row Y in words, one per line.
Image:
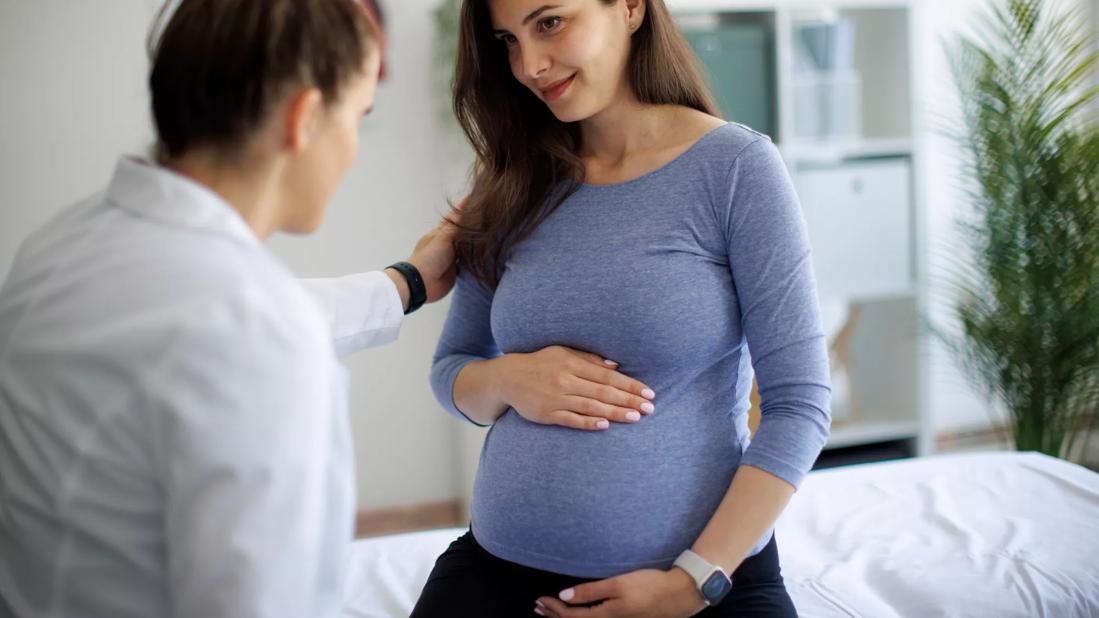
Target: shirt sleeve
column 467, row 337
column 770, row 259
column 253, row 516
column 364, row 310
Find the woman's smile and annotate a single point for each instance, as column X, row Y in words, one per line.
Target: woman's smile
column 557, row 89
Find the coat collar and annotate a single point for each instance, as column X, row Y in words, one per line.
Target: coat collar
column 159, row 194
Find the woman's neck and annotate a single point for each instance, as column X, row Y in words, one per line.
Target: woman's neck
column 623, row 129
column 249, row 188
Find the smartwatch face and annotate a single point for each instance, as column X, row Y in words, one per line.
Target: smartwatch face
column 716, row 587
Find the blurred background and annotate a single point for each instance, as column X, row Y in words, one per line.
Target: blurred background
column 858, row 95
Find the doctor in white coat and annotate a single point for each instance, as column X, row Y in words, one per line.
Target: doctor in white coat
column 174, row 437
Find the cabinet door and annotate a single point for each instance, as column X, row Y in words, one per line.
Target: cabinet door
column 738, row 63
column 859, row 220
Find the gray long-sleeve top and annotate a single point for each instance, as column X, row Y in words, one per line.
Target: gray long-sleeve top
column 675, row 275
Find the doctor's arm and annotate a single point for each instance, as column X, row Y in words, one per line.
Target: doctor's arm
column 366, row 309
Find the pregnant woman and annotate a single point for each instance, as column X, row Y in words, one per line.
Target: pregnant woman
column 629, row 262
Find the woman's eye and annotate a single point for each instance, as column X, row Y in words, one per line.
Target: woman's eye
column 548, row 24
column 509, row 39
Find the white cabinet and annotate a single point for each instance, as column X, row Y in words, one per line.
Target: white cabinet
column 859, row 219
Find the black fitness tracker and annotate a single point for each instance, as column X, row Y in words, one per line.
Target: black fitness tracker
column 416, row 288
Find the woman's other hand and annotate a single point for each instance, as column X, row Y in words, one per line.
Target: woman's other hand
column 648, row 593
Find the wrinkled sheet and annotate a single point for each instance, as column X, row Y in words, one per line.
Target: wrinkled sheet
column 983, row 534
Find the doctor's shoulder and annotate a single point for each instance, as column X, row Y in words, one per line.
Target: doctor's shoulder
column 246, row 296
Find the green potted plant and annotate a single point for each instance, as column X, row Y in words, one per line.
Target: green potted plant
column 445, row 16
column 1026, row 285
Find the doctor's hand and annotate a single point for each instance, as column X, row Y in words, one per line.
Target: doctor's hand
column 567, row 387
column 434, row 258
column 648, row 593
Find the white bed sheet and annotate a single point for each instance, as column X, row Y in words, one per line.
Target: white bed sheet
column 986, row 534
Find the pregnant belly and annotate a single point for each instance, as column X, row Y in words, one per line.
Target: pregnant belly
column 597, row 504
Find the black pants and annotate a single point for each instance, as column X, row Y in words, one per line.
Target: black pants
column 469, row 581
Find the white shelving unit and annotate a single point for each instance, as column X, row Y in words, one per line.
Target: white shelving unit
column 833, row 84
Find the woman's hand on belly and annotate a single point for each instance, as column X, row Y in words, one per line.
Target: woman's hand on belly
column 648, row 593
column 567, row 387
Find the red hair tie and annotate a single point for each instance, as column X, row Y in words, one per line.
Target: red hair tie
column 373, row 14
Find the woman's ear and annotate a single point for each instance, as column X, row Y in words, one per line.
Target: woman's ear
column 635, row 14
column 302, row 118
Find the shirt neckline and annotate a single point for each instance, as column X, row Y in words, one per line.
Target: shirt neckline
column 662, row 168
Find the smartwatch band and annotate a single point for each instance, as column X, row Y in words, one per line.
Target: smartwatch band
column 417, row 289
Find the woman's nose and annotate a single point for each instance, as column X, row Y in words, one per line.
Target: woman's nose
column 535, row 62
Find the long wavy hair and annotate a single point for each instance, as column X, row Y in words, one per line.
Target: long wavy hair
column 527, row 162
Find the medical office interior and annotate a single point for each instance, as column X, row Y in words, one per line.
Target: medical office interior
column 920, row 475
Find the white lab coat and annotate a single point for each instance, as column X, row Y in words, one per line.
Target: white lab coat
column 174, row 437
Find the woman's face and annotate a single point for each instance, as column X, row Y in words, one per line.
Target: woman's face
column 571, row 54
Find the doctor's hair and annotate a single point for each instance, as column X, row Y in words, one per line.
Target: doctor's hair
column 218, row 67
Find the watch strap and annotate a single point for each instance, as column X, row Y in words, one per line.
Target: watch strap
column 696, row 566
column 417, row 290
column 701, row 571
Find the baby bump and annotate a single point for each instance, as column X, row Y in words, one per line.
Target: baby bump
column 632, row 496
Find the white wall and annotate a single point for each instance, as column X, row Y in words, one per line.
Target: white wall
column 73, row 97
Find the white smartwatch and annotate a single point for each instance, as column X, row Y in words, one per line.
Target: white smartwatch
column 712, row 582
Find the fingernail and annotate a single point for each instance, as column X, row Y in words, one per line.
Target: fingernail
column 610, row 362
column 633, row 416
column 539, row 604
column 538, row 610
column 648, row 393
column 602, row 423
column 567, row 595
column 648, row 408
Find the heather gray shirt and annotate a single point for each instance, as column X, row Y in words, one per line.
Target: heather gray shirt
column 676, row 275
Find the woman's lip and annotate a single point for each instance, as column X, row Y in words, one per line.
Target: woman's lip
column 555, row 91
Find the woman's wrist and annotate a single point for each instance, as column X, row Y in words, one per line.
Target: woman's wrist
column 480, row 390
column 499, row 382
column 685, row 590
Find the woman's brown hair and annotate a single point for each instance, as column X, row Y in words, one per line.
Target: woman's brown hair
column 218, row 66
column 526, row 159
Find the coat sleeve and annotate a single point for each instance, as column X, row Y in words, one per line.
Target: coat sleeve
column 364, row 310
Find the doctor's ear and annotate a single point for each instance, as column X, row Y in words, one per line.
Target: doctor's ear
column 302, row 118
